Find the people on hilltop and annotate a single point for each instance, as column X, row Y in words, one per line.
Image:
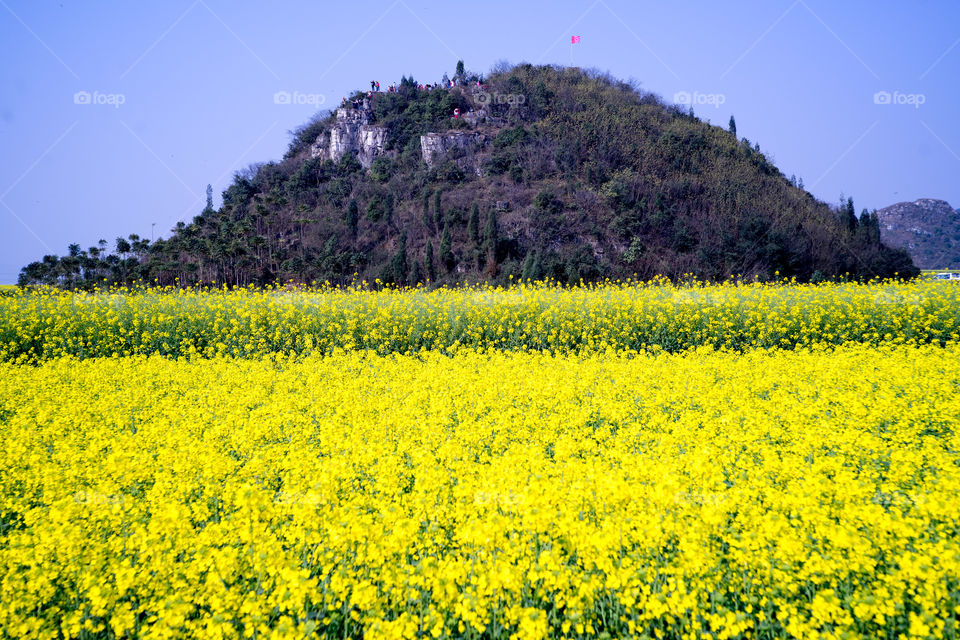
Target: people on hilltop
column 394, row 87
column 458, row 80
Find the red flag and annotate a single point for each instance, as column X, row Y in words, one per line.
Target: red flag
column 574, row 39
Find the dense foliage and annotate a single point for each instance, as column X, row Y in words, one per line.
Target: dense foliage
column 593, row 177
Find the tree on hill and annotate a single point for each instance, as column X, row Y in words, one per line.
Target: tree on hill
column 400, row 264
column 491, row 236
column 849, row 215
column 473, row 225
column 446, row 249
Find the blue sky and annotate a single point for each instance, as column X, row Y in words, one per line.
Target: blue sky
column 114, row 116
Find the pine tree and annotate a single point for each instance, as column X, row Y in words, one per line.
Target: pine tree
column 473, row 225
column 431, row 266
column 446, row 249
column 491, row 236
column 525, row 273
column 732, row 126
column 850, row 215
column 353, row 217
column 531, row 267
column 416, row 274
column 870, row 226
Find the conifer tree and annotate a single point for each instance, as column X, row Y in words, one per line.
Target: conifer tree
column 473, row 225
column 353, row 217
column 446, row 249
column 416, row 274
column 850, row 215
column 491, row 236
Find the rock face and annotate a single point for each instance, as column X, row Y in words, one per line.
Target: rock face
column 928, row 229
column 352, row 132
column 436, row 146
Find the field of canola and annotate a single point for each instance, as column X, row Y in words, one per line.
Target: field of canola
column 531, row 463
column 619, row 316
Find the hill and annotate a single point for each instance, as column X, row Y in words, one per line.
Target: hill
column 928, row 229
column 532, row 172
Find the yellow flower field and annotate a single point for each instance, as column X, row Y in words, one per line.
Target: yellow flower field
column 470, row 493
column 36, row 326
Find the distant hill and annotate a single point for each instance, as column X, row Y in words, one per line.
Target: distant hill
column 545, row 172
column 928, row 229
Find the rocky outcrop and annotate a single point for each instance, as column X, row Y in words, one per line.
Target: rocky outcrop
column 436, row 146
column 928, row 229
column 353, row 133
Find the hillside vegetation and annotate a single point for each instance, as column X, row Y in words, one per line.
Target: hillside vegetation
column 569, row 175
